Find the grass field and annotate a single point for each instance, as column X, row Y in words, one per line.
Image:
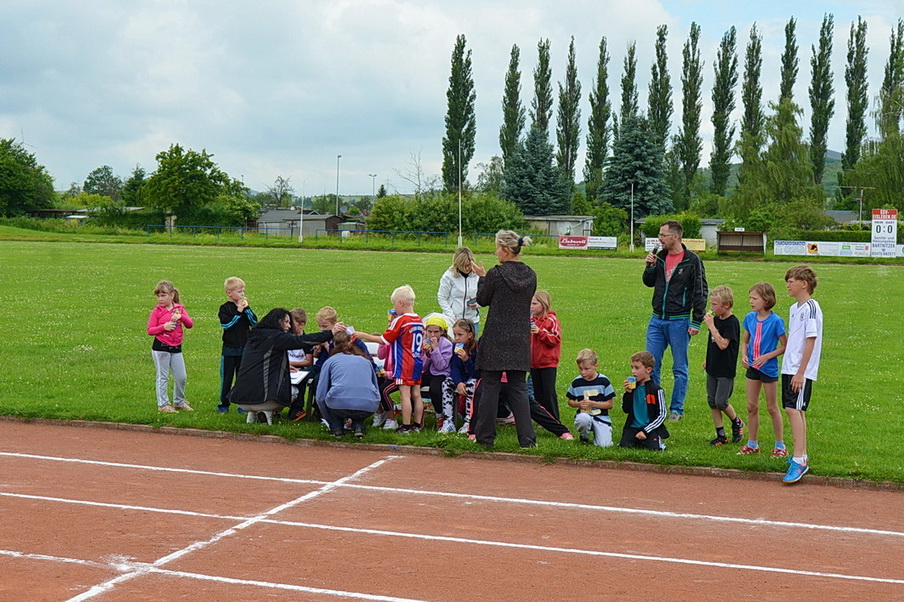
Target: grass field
column 75, row 345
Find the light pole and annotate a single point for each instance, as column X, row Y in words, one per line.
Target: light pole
column 373, row 187
column 632, row 218
column 301, row 215
column 337, row 184
column 459, row 192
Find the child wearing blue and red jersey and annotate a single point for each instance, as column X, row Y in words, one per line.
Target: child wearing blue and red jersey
column 165, row 324
column 406, row 335
column 764, row 340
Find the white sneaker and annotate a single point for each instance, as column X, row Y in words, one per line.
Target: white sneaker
column 465, row 428
column 379, row 419
column 390, row 425
column 510, row 419
column 448, row 427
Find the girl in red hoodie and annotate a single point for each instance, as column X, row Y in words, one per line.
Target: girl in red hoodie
column 545, row 349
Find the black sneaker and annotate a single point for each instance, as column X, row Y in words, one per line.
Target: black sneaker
column 719, row 440
column 404, row 429
column 737, row 430
column 359, row 431
column 585, row 439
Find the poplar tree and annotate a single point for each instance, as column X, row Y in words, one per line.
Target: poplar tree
column 598, row 126
column 891, row 95
column 629, row 104
column 659, row 103
column 822, row 101
column 512, row 111
column 789, row 62
column 461, row 124
column 568, row 130
column 541, row 106
column 855, row 76
column 688, row 144
column 753, row 120
column 726, row 80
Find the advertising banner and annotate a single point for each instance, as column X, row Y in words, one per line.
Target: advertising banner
column 885, row 232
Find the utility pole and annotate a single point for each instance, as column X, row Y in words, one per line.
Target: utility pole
column 861, row 189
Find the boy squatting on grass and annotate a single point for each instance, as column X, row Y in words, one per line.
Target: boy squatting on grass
column 406, row 335
column 800, row 364
column 592, row 394
column 644, row 403
column 721, row 363
column 236, row 319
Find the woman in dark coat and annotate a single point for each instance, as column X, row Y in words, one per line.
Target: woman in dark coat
column 507, row 290
column 263, row 383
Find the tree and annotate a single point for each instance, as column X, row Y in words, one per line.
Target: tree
column 568, row 130
column 532, row 181
column 857, row 95
column 689, row 145
column 726, row 80
column 541, row 105
column 132, row 189
column 660, row 95
column 636, row 160
column 512, row 111
column 184, row 179
column 598, row 126
column 417, row 177
column 629, row 103
column 461, row 124
column 492, row 176
column 891, row 95
column 24, row 184
column 281, row 192
column 381, row 191
column 104, row 182
column 789, row 62
column 753, row 121
column 822, row 102
column 881, row 173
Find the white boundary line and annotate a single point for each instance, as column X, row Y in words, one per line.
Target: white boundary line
column 400, row 490
column 143, row 570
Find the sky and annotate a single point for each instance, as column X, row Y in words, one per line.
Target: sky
column 282, row 88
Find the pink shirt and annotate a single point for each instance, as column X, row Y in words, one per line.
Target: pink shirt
column 160, row 316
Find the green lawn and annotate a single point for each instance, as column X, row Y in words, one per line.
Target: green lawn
column 75, row 345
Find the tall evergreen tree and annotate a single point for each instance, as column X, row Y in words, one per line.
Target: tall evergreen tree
column 659, row 102
column 598, row 126
column 822, row 100
column 629, row 106
column 891, row 95
column 568, row 130
column 512, row 111
column 461, row 124
column 636, row 161
column 689, row 145
column 855, row 77
column 726, row 80
column 753, row 121
column 541, row 105
column 532, row 181
column 790, row 62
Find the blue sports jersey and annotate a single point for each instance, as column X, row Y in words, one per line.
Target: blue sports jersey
column 764, row 336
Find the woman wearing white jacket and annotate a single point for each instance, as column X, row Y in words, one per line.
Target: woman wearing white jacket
column 458, row 289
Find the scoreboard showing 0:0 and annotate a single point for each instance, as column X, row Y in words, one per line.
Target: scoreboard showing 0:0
column 885, row 232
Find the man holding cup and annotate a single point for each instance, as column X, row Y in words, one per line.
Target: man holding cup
column 680, row 291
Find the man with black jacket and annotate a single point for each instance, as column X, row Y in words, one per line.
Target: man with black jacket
column 678, row 280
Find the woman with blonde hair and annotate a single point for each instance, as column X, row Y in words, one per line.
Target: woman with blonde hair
column 507, row 289
column 458, row 290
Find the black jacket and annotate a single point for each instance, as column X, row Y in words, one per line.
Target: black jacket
column 264, row 373
column 656, row 409
column 505, row 341
column 684, row 295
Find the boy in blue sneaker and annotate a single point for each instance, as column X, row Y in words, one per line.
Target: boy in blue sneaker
column 800, row 364
column 644, row 403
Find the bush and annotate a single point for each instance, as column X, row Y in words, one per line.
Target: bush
column 480, row 213
column 610, row 221
column 690, row 223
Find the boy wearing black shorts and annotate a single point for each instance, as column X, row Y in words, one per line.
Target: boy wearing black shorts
column 800, row 364
column 722, row 362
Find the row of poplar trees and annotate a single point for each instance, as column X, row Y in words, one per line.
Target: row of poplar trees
column 634, row 151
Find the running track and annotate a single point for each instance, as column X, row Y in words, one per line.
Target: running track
column 100, row 514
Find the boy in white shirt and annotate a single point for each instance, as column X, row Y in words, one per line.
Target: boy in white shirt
column 800, row 364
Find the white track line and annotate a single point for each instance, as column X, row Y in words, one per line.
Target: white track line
column 198, row 545
column 564, row 505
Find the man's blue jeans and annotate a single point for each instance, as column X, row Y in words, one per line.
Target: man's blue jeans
column 670, row 333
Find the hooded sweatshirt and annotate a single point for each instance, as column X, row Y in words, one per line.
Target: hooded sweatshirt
column 507, row 290
column 546, row 345
column 455, row 289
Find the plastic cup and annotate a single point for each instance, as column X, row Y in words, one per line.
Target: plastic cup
column 632, row 383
